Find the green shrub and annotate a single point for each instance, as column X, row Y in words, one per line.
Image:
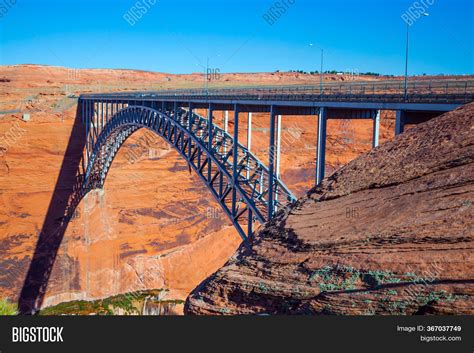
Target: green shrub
column 7, row 308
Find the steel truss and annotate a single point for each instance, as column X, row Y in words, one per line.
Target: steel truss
column 245, row 188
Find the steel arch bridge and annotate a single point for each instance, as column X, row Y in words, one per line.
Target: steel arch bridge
column 248, row 191
column 237, row 179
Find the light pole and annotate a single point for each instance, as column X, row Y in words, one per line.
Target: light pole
column 406, row 55
column 206, row 72
column 207, row 76
column 321, row 74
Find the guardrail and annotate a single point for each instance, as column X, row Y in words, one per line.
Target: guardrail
column 371, row 87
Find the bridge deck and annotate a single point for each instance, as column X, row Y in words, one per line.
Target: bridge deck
column 442, row 95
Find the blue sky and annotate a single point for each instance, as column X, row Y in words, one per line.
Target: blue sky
column 176, row 36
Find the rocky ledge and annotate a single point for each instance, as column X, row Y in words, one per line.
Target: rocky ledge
column 390, row 233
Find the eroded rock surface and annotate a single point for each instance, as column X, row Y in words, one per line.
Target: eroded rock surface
column 390, row 233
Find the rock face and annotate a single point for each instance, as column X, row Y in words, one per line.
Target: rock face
column 390, row 233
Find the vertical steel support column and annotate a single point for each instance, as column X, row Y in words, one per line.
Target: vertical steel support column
column 400, row 122
column 190, row 117
column 209, row 147
column 175, row 108
column 106, row 112
column 249, row 132
column 221, row 182
column 226, row 121
column 168, row 128
column 102, row 118
column 97, row 122
column 99, row 117
column 95, row 119
column 249, row 140
column 250, row 224
column 278, row 146
column 376, row 131
column 83, row 117
column 271, row 163
column 321, row 157
column 278, row 151
column 88, row 111
column 226, row 128
column 235, row 159
column 81, row 102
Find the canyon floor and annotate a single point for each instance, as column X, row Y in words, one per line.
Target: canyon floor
column 154, row 226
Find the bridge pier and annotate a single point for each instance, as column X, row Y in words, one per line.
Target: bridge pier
column 376, row 130
column 321, row 154
column 400, row 122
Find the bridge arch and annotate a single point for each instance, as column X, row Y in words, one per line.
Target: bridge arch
column 242, row 192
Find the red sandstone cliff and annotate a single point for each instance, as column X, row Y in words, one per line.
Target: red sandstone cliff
column 390, row 233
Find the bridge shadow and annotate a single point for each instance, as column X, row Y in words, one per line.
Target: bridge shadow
column 66, row 197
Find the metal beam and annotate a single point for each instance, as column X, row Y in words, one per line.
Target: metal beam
column 321, row 157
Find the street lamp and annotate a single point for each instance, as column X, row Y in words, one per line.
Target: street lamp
column 406, row 55
column 321, row 74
